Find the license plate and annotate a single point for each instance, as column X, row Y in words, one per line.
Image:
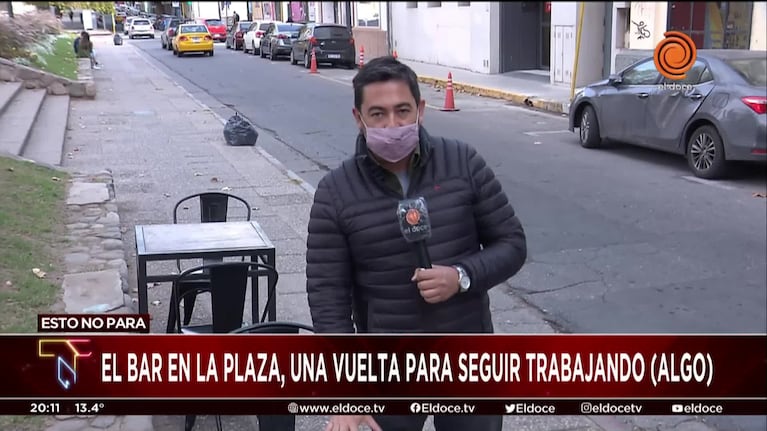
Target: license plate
column 195, row 39
column 334, row 55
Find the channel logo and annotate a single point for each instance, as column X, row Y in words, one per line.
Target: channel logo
column 66, row 355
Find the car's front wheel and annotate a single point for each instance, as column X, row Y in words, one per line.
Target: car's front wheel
column 589, row 128
column 705, row 153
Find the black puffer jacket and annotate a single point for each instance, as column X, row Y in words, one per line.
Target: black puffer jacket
column 358, row 263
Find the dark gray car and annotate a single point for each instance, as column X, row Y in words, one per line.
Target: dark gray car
column 718, row 113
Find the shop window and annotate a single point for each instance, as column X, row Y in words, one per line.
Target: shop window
column 434, row 4
column 713, row 25
column 412, row 4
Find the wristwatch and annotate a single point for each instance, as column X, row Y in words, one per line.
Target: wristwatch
column 464, row 282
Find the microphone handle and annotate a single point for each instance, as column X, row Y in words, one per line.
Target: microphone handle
column 424, row 261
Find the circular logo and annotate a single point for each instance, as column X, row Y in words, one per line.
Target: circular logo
column 675, row 55
column 293, row 408
column 413, row 216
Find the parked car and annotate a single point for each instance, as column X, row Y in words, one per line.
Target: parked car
column 140, row 27
column 236, row 35
column 717, row 114
column 166, row 37
column 278, row 40
column 192, row 38
column 251, row 42
column 216, row 28
column 332, row 43
column 128, row 22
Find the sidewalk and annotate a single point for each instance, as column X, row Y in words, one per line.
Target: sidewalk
column 161, row 144
column 519, row 87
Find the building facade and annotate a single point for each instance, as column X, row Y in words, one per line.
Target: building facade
column 639, row 26
column 502, row 37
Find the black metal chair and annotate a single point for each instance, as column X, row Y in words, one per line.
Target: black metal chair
column 214, row 208
column 275, row 422
column 227, row 284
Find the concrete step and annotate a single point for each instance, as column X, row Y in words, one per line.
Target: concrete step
column 17, row 120
column 7, row 92
column 46, row 142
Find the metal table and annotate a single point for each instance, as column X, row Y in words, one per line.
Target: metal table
column 163, row 242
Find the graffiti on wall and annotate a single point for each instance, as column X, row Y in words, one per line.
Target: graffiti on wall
column 642, row 32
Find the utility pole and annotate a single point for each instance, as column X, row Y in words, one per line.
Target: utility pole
column 10, row 9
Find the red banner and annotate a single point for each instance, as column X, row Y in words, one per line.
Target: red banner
column 384, row 367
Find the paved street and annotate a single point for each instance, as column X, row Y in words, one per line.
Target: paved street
column 620, row 240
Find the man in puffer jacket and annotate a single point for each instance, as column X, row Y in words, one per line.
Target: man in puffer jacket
column 363, row 276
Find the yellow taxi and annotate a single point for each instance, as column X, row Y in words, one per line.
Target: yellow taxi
column 192, row 38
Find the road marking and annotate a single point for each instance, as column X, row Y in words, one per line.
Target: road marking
column 546, row 132
column 707, row 182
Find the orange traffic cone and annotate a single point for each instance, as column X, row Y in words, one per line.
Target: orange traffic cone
column 314, row 61
column 449, row 96
column 394, row 54
column 362, row 56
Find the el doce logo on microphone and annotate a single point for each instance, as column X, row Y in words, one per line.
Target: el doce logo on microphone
column 413, row 216
column 414, row 219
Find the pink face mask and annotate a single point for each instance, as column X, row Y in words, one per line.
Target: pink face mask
column 392, row 144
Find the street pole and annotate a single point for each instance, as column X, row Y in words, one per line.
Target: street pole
column 10, row 9
column 578, row 33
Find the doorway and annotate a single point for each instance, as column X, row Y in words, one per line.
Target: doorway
column 545, row 43
column 520, row 23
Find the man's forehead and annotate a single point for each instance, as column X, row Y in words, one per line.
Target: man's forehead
column 388, row 94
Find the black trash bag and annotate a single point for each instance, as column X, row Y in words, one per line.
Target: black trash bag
column 118, row 39
column 238, row 132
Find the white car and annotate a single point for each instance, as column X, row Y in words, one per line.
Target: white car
column 252, row 40
column 140, row 27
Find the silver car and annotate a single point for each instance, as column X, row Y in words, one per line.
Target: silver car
column 717, row 114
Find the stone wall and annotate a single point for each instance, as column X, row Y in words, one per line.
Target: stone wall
column 56, row 85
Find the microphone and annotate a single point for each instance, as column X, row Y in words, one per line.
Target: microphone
column 415, row 226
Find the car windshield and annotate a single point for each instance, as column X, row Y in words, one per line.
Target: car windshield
column 244, row 25
column 194, row 29
column 332, row 33
column 140, row 22
column 213, row 21
column 264, row 27
column 753, row 70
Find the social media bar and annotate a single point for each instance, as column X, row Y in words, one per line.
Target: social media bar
column 464, row 406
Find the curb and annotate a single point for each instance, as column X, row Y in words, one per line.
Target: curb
column 517, row 98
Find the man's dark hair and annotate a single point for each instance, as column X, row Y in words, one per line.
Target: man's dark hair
column 383, row 69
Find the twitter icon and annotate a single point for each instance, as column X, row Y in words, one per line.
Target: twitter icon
column 511, row 408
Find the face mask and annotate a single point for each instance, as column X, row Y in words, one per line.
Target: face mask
column 392, row 144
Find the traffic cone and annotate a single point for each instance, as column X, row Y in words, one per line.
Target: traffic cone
column 449, row 96
column 362, row 56
column 314, row 61
column 394, row 54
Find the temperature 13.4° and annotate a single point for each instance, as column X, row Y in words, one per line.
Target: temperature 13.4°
column 88, row 409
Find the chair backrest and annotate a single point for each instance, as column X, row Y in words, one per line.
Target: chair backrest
column 214, row 206
column 274, row 328
column 228, row 283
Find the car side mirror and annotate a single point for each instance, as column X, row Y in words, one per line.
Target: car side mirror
column 614, row 79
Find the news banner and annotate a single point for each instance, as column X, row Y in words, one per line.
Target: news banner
column 111, row 365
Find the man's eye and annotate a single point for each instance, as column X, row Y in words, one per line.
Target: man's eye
column 376, row 114
column 404, row 111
